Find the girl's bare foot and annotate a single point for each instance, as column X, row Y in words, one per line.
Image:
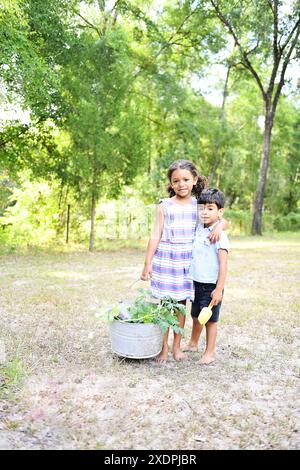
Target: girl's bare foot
column 163, row 356
column 207, row 359
column 189, row 348
column 178, row 355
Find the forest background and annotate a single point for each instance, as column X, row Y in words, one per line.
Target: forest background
column 97, row 98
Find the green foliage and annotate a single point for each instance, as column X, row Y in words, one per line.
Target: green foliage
column 113, row 99
column 6, row 189
column 106, row 127
column 283, row 191
column 29, row 56
column 12, row 374
column 289, row 222
column 239, row 220
column 143, row 310
column 34, row 148
column 31, row 220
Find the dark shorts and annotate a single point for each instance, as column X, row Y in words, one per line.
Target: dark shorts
column 203, row 299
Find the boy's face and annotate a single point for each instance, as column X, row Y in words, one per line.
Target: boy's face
column 209, row 213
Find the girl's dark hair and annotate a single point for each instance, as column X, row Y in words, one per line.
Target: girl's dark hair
column 202, row 181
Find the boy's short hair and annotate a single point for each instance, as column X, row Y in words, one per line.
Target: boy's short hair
column 212, row 196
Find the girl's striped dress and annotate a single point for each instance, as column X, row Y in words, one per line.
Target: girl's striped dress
column 172, row 259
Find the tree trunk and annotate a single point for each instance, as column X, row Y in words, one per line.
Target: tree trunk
column 117, row 220
column 221, row 129
column 264, row 163
column 68, row 223
column 62, row 216
column 93, row 211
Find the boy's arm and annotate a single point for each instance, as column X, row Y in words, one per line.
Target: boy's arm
column 219, row 227
column 217, row 293
column 153, row 243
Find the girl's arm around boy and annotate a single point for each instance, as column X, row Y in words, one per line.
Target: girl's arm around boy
column 217, row 293
column 217, row 231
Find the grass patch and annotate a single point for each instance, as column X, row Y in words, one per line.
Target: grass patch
column 12, row 375
column 78, row 395
column 114, row 245
column 109, row 245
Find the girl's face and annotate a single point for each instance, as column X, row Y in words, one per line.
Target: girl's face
column 182, row 181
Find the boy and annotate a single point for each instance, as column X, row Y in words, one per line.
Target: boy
column 208, row 270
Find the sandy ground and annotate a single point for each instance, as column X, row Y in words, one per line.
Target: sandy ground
column 63, row 388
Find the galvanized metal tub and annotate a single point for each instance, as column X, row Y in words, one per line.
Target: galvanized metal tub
column 136, row 340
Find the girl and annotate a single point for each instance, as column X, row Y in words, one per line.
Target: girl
column 169, row 249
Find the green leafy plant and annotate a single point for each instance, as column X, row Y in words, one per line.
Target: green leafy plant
column 145, row 310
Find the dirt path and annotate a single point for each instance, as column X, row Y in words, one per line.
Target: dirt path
column 76, row 394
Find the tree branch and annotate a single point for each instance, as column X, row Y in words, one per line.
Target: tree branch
column 246, row 62
column 276, row 53
column 283, row 70
column 296, row 25
column 271, row 5
column 169, row 41
column 115, row 6
column 253, row 49
column 90, row 25
column 146, row 116
column 109, row 14
column 114, row 9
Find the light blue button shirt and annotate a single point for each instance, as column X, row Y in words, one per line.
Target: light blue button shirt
column 205, row 260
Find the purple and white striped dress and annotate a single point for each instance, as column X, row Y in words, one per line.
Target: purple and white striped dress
column 172, row 259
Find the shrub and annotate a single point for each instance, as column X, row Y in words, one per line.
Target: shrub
column 289, row 222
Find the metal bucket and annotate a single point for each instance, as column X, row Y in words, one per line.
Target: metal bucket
column 136, row 340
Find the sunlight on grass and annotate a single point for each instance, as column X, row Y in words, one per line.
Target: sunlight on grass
column 274, row 241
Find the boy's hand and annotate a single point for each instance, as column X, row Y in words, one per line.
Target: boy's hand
column 215, row 235
column 216, row 296
column 147, row 273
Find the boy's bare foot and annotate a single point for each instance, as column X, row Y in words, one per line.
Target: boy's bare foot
column 178, row 355
column 189, row 348
column 207, row 359
column 163, row 356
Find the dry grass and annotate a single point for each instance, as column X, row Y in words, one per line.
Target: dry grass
column 62, row 388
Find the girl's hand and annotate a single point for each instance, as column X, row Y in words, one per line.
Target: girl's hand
column 146, row 273
column 216, row 233
column 216, row 296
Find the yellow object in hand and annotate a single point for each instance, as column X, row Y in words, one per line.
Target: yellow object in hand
column 205, row 314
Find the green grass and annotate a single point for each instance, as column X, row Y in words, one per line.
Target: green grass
column 66, row 389
column 12, row 374
column 59, row 246
column 113, row 245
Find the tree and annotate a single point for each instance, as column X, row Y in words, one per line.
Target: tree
column 33, row 48
column 33, row 44
column 266, row 38
column 106, row 127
